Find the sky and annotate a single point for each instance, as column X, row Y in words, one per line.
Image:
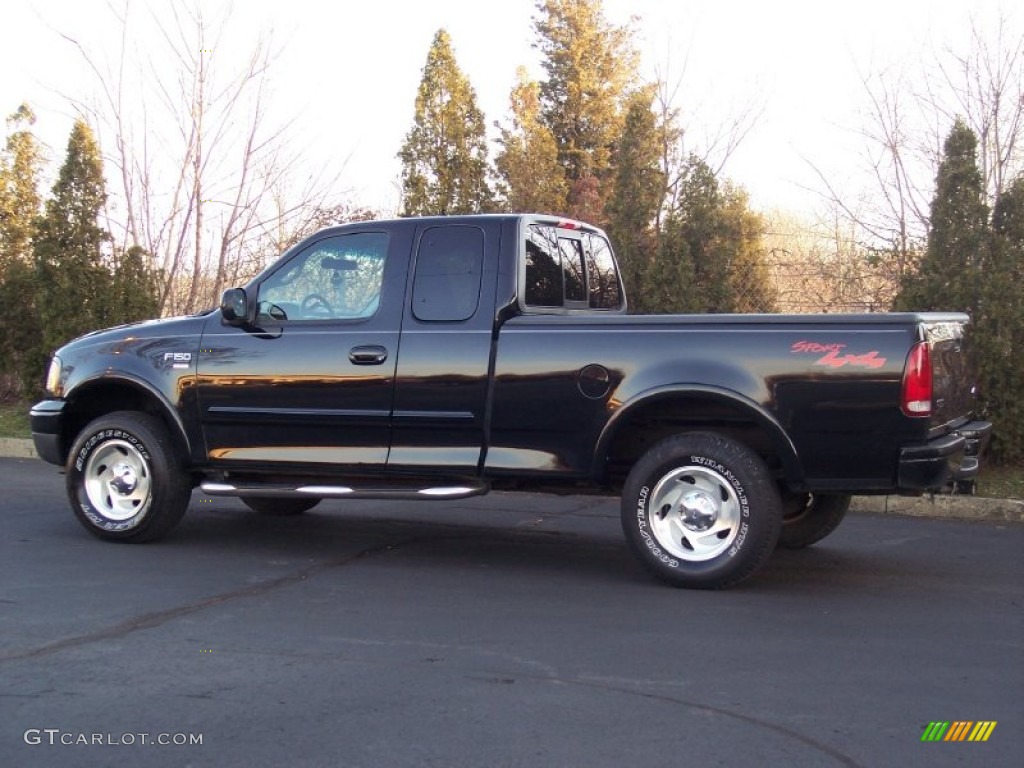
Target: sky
column 346, row 73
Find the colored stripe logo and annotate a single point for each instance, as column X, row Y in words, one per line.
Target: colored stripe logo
column 959, row 730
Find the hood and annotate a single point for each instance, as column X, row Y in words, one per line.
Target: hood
column 147, row 329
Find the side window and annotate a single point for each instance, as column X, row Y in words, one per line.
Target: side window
column 338, row 278
column 605, row 291
column 570, row 272
column 574, row 277
column 543, row 268
column 449, row 265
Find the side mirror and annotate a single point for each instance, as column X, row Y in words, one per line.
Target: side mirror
column 234, row 306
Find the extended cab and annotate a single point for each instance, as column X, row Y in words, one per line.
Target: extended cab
column 436, row 358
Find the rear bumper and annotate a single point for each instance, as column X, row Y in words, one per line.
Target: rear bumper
column 45, row 419
column 977, row 434
column 952, row 458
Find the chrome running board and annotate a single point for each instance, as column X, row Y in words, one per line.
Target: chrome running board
column 460, row 490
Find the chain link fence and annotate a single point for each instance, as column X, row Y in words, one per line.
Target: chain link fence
column 824, row 272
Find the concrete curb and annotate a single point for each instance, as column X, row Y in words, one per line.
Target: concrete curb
column 949, row 507
column 14, row 448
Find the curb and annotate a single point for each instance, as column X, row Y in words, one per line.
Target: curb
column 946, row 507
column 14, row 448
column 943, row 506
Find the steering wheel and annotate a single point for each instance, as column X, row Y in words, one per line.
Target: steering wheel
column 314, row 303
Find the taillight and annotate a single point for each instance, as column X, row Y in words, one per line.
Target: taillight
column 917, row 381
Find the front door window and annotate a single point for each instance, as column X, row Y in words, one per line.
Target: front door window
column 338, row 278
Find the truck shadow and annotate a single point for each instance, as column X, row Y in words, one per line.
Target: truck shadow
column 588, row 547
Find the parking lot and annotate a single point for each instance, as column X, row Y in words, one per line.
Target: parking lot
column 507, row 630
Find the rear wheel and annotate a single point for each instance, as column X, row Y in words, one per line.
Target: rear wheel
column 125, row 478
column 700, row 510
column 966, row 487
column 810, row 517
column 279, row 507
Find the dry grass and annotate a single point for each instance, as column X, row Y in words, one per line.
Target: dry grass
column 1001, row 482
column 14, row 420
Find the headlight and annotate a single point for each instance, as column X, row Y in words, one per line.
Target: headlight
column 53, row 382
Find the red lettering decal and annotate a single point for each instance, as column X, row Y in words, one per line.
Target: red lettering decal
column 832, row 357
column 867, row 360
column 814, row 347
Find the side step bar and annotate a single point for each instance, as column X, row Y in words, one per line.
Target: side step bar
column 461, row 490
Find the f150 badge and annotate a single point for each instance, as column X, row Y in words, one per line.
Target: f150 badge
column 178, row 359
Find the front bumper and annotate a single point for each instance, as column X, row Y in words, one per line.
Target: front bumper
column 45, row 418
column 951, row 459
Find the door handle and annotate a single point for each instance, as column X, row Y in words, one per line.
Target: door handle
column 370, row 355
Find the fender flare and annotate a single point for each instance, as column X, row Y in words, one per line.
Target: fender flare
column 164, row 405
column 787, row 452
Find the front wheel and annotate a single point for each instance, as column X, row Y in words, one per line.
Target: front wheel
column 125, row 478
column 701, row 511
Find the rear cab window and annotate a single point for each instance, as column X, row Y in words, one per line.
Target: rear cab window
column 569, row 269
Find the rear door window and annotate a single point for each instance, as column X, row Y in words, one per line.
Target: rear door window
column 449, row 266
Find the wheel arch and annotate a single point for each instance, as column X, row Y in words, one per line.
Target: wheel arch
column 657, row 413
column 105, row 394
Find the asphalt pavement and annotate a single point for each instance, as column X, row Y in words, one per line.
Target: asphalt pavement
column 506, row 630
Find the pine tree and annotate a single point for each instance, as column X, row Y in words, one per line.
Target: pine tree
column 20, row 335
column 638, row 191
column 672, row 287
column 699, row 213
column 591, row 66
column 978, row 268
column 134, row 290
column 948, row 277
column 999, row 327
column 686, row 277
column 444, row 156
column 712, row 249
column 74, row 281
column 531, row 180
column 20, row 338
column 20, row 167
column 750, row 287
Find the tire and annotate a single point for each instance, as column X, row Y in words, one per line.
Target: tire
column 808, row 518
column 279, row 507
column 701, row 511
column 125, row 478
column 965, row 487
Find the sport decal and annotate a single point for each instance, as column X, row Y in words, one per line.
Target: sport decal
column 833, row 356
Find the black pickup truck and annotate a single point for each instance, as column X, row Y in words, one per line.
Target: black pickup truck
column 436, row 358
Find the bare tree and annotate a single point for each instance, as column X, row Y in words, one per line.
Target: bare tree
column 985, row 86
column 718, row 141
column 204, row 180
column 819, row 266
column 891, row 219
column 906, row 117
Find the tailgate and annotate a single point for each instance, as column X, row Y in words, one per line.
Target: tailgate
column 953, row 381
